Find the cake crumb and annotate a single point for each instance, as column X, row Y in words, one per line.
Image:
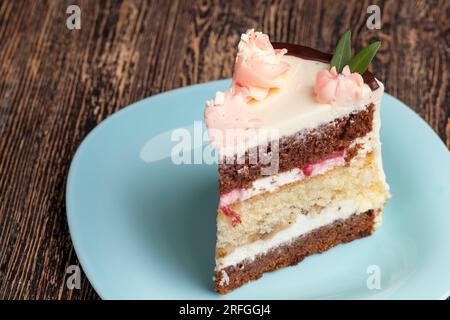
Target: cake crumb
column 225, row 280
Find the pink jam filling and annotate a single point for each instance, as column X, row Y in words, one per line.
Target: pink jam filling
column 235, row 218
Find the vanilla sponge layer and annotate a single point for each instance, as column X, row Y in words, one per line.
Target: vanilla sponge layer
column 358, row 187
column 303, row 225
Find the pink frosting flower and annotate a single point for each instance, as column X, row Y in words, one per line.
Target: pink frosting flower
column 331, row 87
column 228, row 120
column 258, row 65
column 258, row 69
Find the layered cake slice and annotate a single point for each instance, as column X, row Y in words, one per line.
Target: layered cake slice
column 300, row 166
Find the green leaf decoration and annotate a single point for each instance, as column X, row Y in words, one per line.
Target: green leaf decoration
column 342, row 53
column 361, row 61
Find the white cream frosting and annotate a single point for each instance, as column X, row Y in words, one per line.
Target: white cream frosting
column 376, row 126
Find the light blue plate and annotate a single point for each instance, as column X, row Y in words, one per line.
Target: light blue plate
column 144, row 228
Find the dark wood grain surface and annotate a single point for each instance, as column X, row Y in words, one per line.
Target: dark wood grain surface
column 57, row 84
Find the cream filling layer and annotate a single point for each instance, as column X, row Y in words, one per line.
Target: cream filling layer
column 303, row 225
column 272, row 183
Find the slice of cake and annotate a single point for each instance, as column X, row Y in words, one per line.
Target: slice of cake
column 300, row 156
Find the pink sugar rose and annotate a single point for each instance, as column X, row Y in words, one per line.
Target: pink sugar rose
column 331, row 87
column 258, row 65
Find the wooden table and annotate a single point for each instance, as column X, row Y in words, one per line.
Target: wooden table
column 57, row 84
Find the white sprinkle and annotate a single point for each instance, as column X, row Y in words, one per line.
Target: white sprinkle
column 225, row 280
column 220, row 98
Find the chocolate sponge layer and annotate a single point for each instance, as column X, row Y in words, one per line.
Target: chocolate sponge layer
column 303, row 148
